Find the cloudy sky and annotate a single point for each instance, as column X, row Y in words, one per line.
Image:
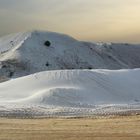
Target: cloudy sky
column 94, row 20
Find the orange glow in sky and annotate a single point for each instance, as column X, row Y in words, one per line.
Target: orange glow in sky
column 92, row 20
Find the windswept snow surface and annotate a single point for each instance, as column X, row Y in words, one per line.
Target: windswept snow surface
column 71, row 93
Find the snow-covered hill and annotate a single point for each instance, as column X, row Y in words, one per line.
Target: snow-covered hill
column 72, row 91
column 52, row 74
column 25, row 53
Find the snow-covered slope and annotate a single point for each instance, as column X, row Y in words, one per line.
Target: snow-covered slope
column 51, row 87
column 72, row 90
column 25, row 53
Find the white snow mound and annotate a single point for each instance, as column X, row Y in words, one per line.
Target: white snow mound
column 45, row 80
column 73, row 89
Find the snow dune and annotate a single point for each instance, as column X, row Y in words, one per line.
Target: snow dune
column 71, row 88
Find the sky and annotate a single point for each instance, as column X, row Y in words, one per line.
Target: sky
column 91, row 20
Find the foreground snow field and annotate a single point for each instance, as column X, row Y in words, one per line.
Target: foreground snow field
column 72, row 93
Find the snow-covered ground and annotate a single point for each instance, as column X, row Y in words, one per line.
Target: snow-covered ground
column 72, row 92
column 67, row 78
